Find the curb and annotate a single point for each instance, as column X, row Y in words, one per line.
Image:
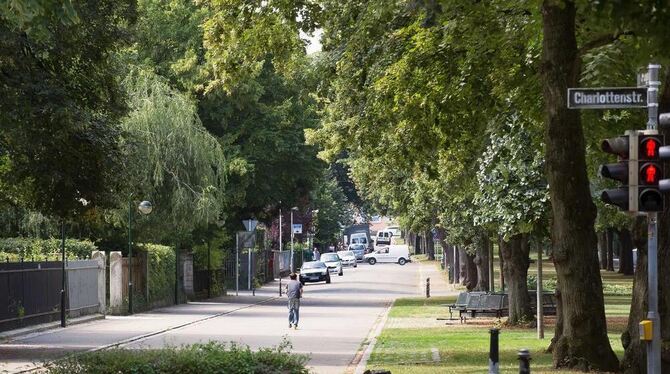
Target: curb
column 8, row 336
column 372, row 340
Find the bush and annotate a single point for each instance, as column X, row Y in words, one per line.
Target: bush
column 44, row 249
column 617, row 289
column 547, row 284
column 212, row 357
column 161, row 260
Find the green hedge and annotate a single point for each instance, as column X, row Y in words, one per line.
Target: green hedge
column 161, row 272
column 207, row 358
column 44, row 249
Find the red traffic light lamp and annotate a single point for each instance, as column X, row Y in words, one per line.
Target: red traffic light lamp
column 650, row 196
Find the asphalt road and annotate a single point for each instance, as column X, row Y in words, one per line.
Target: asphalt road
column 335, row 320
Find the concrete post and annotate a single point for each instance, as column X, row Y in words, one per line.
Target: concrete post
column 102, row 297
column 115, row 281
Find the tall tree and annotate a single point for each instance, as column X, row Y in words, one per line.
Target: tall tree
column 61, row 103
column 579, row 341
column 171, row 159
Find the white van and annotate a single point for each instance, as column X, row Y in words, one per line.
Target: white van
column 395, row 230
column 383, row 237
column 359, row 238
column 392, row 253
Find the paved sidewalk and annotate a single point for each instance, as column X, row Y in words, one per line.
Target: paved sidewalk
column 438, row 280
column 29, row 351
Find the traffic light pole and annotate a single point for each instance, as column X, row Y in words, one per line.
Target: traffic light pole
column 654, row 347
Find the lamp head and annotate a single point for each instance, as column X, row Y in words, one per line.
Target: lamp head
column 145, row 207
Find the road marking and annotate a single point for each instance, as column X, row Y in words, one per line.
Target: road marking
column 436, row 354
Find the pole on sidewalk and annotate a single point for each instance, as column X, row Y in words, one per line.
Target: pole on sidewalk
column 237, row 264
column 130, row 254
column 540, row 295
column 654, row 347
column 249, row 270
column 427, row 288
column 493, row 352
column 63, row 282
column 209, row 271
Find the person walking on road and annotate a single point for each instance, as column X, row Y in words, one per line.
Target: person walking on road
column 294, row 293
column 316, row 254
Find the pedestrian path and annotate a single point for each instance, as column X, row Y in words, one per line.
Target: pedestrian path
column 29, row 351
column 438, row 280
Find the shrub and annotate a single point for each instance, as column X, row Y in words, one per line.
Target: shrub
column 547, row 284
column 617, row 289
column 212, row 357
column 44, row 249
column 161, row 260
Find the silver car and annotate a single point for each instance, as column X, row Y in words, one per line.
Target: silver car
column 348, row 258
column 359, row 251
column 332, row 260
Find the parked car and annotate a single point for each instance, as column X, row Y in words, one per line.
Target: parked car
column 332, row 260
column 348, row 258
column 392, row 253
column 359, row 251
column 314, row 271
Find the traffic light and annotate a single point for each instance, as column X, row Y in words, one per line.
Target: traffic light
column 620, row 171
column 639, row 169
column 650, row 197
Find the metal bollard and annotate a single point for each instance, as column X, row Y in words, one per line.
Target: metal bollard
column 494, row 366
column 524, row 361
column 279, row 286
column 428, row 287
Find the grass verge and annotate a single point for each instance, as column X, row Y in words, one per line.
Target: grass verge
column 412, row 332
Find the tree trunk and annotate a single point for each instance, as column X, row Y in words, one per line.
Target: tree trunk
column 602, row 249
column 457, row 265
column 447, row 255
column 468, row 270
column 481, row 261
column 501, row 243
column 634, row 358
column 515, row 253
column 492, row 277
column 430, row 245
column 582, row 341
column 626, row 257
column 610, row 249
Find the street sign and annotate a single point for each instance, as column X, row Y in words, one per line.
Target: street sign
column 250, row 224
column 246, row 239
column 297, row 228
column 604, row 98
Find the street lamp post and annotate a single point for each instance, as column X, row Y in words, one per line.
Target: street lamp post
column 314, row 215
column 145, row 208
column 292, row 235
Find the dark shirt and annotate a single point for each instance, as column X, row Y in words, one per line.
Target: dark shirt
column 294, row 289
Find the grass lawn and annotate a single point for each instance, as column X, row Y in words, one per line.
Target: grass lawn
column 412, row 333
